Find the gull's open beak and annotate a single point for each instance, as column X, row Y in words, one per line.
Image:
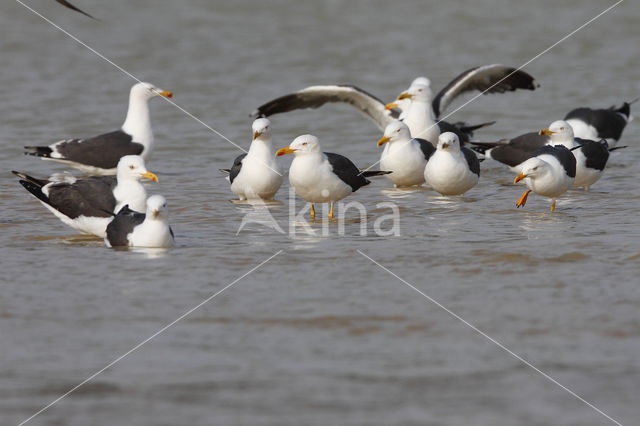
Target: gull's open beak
column 150, row 176
column 256, row 135
column 545, row 132
column 284, row 151
column 404, row 95
column 519, row 178
column 391, row 105
column 383, row 140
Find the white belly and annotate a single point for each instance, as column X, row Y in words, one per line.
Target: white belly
column 449, row 174
column 407, row 163
column 258, row 179
column 315, row 182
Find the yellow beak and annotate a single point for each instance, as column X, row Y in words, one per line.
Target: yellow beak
column 391, row 105
column 256, row 135
column 284, row 151
column 155, row 213
column 404, row 95
column 545, row 132
column 150, row 176
column 445, row 145
column 519, row 178
column 383, row 140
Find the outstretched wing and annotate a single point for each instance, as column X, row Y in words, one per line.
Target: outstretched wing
column 316, row 96
column 494, row 78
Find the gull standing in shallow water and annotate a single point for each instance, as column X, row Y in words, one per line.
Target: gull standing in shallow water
column 322, row 177
column 549, row 172
column 99, row 155
column 403, row 155
column 132, row 229
column 452, row 170
column 87, row 205
column 256, row 174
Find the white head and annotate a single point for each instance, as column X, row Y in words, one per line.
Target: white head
column 448, row 141
column 131, row 167
column 421, row 81
column 417, row 92
column 560, row 131
column 532, row 168
column 147, row 91
column 157, row 208
column 261, row 128
column 305, row 144
column 394, row 132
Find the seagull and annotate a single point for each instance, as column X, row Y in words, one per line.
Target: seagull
column 403, row 104
column 256, row 174
column 322, row 177
column 406, row 157
column 597, row 124
column 132, row 229
column 72, row 7
column 493, row 78
column 513, row 152
column 452, row 170
column 99, row 155
column 87, row 205
column 549, row 172
column 591, row 156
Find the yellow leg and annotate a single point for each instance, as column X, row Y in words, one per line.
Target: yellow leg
column 523, row 199
column 331, row 211
column 553, row 205
column 313, row 212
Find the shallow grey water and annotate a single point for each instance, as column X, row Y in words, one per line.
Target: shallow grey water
column 318, row 335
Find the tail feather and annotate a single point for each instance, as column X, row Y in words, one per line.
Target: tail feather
column 370, row 173
column 470, row 128
column 39, row 182
column 39, row 151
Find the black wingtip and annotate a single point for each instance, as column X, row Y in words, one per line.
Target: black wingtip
column 65, row 3
column 479, row 149
column 615, row 148
column 370, row 173
column 226, row 171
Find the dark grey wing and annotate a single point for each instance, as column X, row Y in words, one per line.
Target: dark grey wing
column 72, row 7
column 596, row 153
column 529, row 141
column 494, row 78
column 122, row 225
column 609, row 123
column 564, row 156
column 316, row 96
column 426, row 147
column 507, row 154
column 91, row 197
column 346, row 171
column 472, row 160
column 86, row 197
column 237, row 166
column 102, row 151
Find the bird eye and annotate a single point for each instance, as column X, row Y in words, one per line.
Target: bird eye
column 419, row 90
column 561, row 128
column 132, row 167
column 398, row 131
column 304, row 144
column 535, row 168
